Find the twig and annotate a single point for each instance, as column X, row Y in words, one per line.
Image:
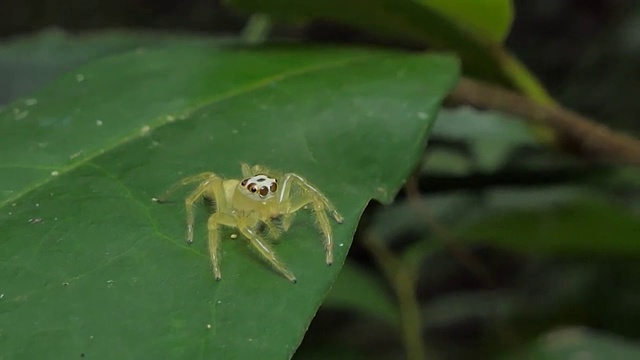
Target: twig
column 403, row 283
column 594, row 139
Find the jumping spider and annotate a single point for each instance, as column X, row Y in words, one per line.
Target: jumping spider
column 254, row 202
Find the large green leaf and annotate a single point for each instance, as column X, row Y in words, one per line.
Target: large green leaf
column 474, row 35
column 425, row 22
column 490, row 18
column 89, row 266
column 28, row 63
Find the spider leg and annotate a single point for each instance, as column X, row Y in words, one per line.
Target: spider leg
column 214, row 238
column 293, row 179
column 249, row 171
column 286, row 220
column 214, row 187
column 264, row 249
column 322, row 220
column 318, row 201
column 186, row 181
column 188, row 204
column 259, row 169
column 274, row 232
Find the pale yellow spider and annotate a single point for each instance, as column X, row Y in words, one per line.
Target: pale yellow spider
column 258, row 199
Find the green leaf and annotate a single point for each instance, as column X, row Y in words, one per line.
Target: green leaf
column 492, row 136
column 356, row 289
column 584, row 224
column 438, row 26
column 28, row 63
column 405, row 20
column 89, row 266
column 490, row 18
column 572, row 343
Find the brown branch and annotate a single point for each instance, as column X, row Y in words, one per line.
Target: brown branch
column 593, row 139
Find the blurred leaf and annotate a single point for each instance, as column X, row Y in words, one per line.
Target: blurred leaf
column 356, row 289
column 588, row 224
column 446, row 161
column 463, row 306
column 28, row 63
column 404, row 216
column 413, row 255
column 492, row 136
column 578, row 343
column 90, row 266
column 491, row 19
column 406, row 20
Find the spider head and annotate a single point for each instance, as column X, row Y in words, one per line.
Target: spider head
column 259, row 187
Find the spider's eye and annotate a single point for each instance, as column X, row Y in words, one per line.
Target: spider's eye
column 252, row 187
column 244, row 182
column 273, row 187
column 264, row 191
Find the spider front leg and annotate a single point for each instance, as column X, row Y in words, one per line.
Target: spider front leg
column 205, row 179
column 249, row 171
column 246, row 170
column 213, row 188
column 310, row 195
column 186, row 181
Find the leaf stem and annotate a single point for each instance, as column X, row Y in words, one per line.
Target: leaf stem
column 403, row 282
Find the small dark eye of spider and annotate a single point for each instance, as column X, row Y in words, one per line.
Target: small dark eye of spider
column 264, row 191
column 244, row 182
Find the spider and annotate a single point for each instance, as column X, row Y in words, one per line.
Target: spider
column 252, row 203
